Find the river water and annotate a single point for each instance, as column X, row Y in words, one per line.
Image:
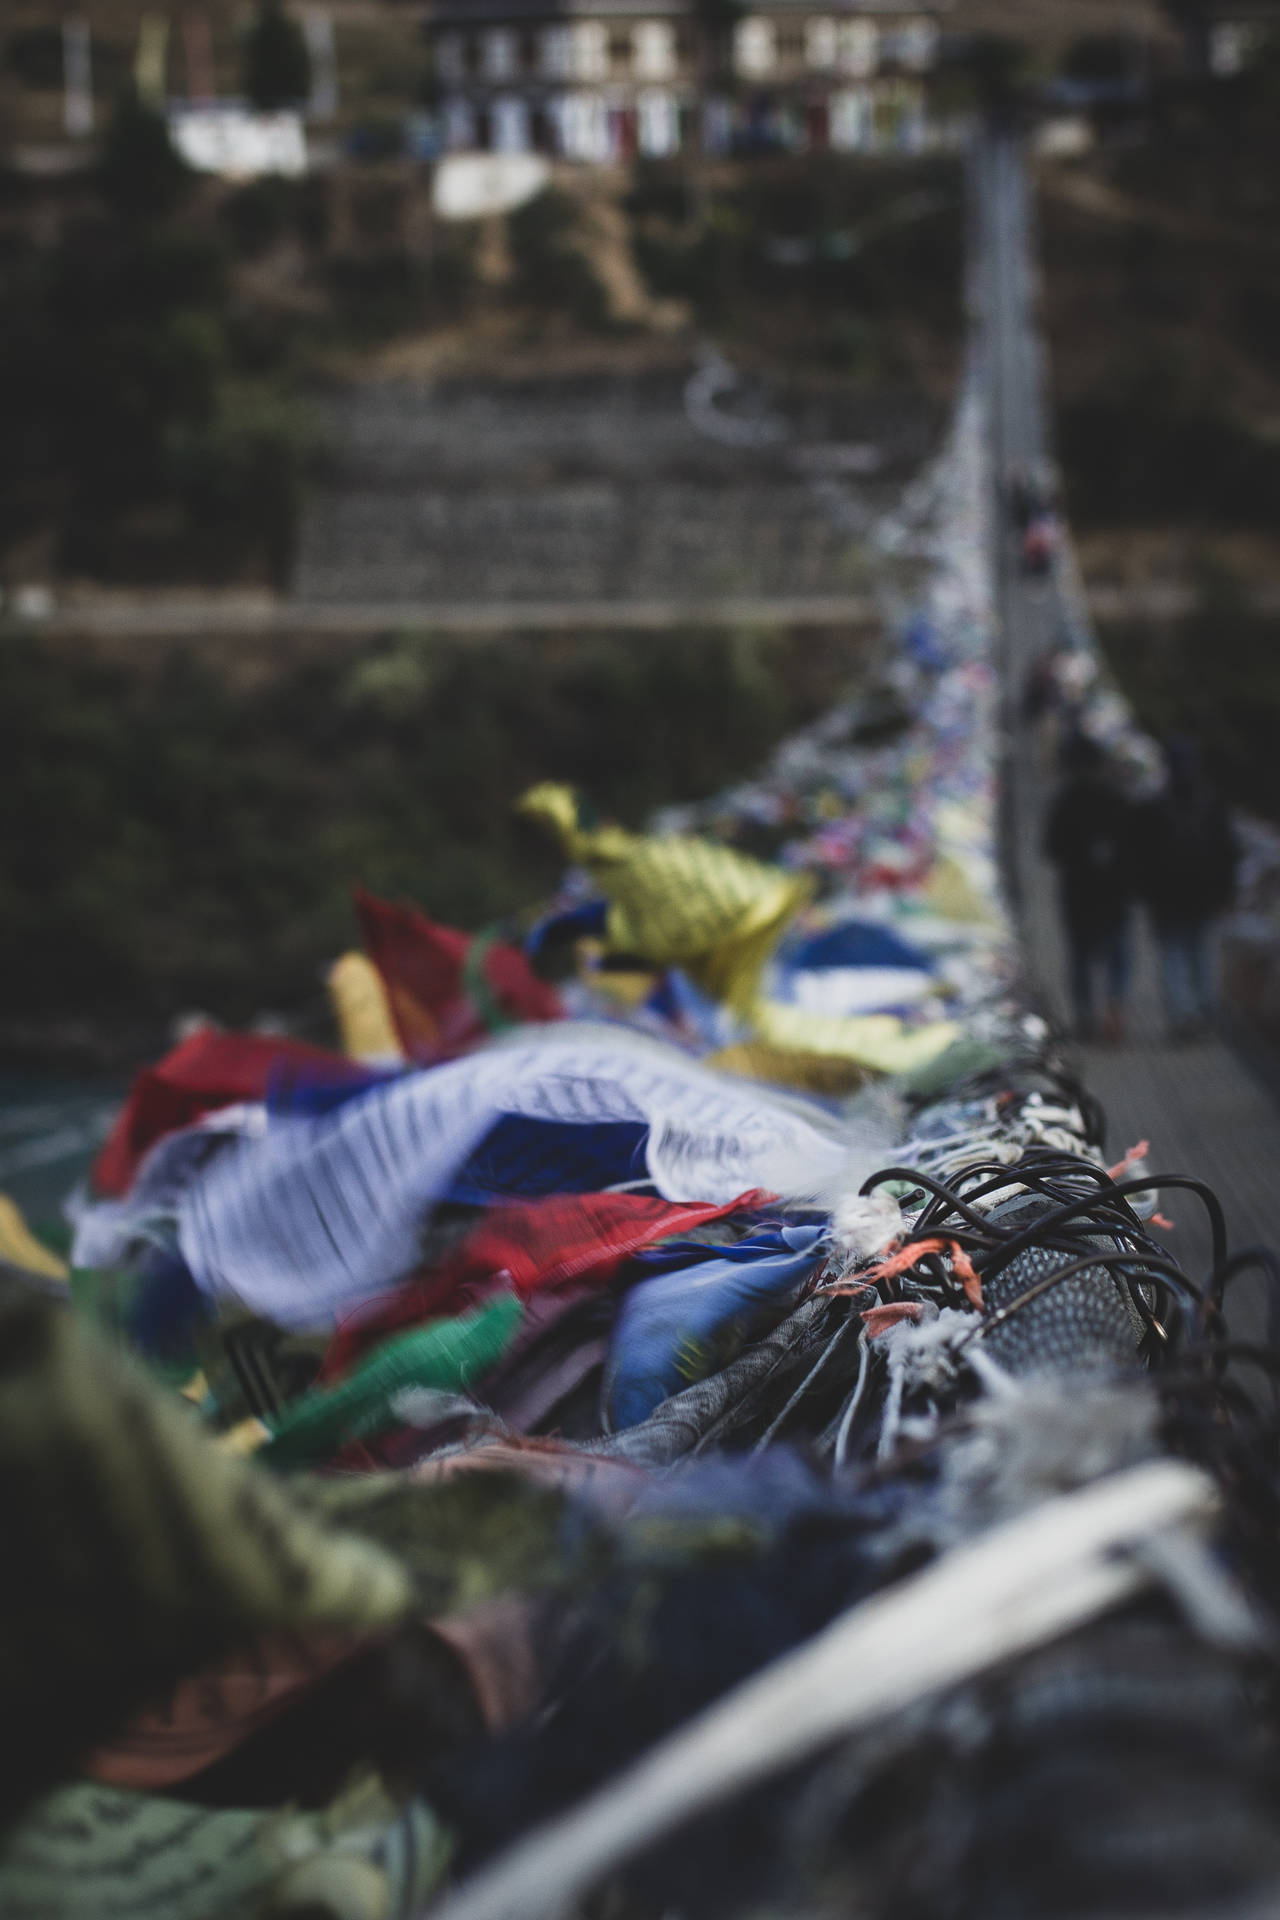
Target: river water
column 50, row 1129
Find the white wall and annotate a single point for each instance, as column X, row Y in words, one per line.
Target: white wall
column 654, row 49
column 755, row 50
column 590, row 50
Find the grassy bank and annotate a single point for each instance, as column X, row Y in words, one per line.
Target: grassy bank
column 1214, row 675
column 1162, row 283
column 184, row 835
column 161, row 333
column 1162, row 295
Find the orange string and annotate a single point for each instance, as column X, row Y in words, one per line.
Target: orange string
column 905, row 1258
column 913, row 1252
column 1131, row 1160
column 878, row 1320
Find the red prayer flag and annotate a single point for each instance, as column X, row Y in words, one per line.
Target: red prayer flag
column 447, row 990
column 212, row 1712
column 537, row 1244
column 208, row 1071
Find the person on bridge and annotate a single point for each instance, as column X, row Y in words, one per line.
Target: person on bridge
column 1187, row 858
column 1090, row 837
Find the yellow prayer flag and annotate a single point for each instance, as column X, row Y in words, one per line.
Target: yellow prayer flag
column 360, row 1006
column 822, row 1073
column 877, row 1040
column 948, row 891
column 679, row 901
column 19, row 1246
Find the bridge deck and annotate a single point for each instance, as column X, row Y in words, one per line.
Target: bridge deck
column 1203, row 1111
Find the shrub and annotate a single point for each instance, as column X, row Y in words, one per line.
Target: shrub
column 857, row 263
column 660, row 190
column 451, row 274
column 377, row 212
column 190, row 841
column 551, row 271
column 1103, row 58
column 140, row 173
column 377, row 294
column 34, row 56
column 239, row 480
column 1136, row 451
column 375, row 138
column 256, row 215
column 135, row 439
column 1234, row 713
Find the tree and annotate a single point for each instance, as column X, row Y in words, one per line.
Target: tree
column 140, row 173
column 716, row 21
column 277, row 69
column 997, row 66
column 1101, row 58
column 1193, row 19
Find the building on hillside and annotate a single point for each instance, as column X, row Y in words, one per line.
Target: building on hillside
column 608, row 80
column 1236, row 31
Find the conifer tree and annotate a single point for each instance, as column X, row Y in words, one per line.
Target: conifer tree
column 140, row 173
column 277, row 70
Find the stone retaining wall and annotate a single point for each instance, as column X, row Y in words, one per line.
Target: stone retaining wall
column 595, row 489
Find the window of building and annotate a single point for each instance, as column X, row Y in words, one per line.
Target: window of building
column 582, row 127
column 898, row 117
column 851, row 125
column 451, row 59
column 556, row 53
column 654, row 50
column 499, row 50
column 820, row 43
column 459, row 125
column 590, row 50
column 1233, row 45
column 859, row 47
column 912, row 44
column 620, row 50
column 755, row 53
column 509, row 129
column 657, row 123
column 717, row 127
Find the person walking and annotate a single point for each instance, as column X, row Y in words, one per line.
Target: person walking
column 1187, row 860
column 1089, row 836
